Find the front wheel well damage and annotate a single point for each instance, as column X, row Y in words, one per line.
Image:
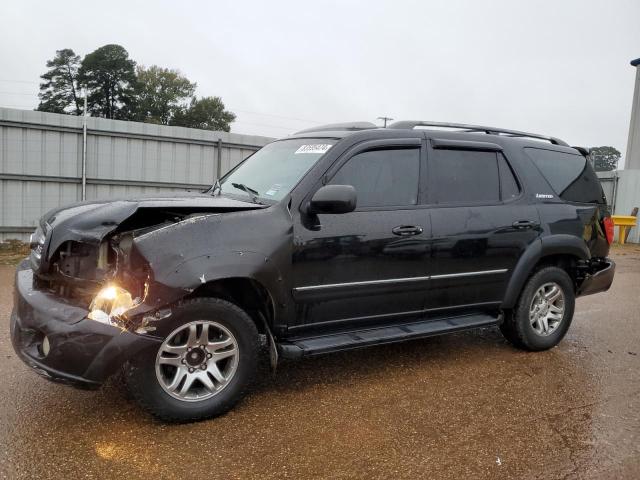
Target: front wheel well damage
column 246, row 293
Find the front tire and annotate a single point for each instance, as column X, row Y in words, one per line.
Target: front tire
column 203, row 367
column 543, row 313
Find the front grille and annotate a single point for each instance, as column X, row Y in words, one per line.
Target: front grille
column 75, row 295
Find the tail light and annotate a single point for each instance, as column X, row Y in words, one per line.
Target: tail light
column 608, row 229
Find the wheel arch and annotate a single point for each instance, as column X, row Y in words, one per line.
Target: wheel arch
column 564, row 251
column 245, row 292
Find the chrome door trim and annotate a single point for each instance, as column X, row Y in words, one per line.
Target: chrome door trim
column 361, row 284
column 468, row 274
column 309, row 288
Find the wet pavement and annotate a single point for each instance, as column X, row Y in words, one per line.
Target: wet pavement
column 466, row 405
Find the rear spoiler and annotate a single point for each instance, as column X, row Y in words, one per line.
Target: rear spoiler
column 584, row 151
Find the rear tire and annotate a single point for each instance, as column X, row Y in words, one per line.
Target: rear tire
column 506, row 328
column 203, row 368
column 544, row 311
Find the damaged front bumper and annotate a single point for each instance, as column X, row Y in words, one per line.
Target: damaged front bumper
column 57, row 339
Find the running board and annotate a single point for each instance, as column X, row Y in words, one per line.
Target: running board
column 303, row 347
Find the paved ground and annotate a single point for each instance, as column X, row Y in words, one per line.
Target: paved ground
column 462, row 406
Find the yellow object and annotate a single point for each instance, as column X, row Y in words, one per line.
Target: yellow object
column 624, row 222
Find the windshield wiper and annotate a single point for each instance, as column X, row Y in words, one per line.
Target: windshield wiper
column 253, row 194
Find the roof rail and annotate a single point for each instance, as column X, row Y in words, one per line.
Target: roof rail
column 410, row 124
column 332, row 127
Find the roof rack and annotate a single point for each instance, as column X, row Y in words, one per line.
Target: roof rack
column 410, row 124
column 332, row 127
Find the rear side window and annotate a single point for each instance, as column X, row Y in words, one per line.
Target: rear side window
column 570, row 176
column 382, row 178
column 464, row 176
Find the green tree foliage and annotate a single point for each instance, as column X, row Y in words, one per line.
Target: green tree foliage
column 109, row 76
column 160, row 93
column 116, row 89
column 604, row 158
column 206, row 113
column 59, row 91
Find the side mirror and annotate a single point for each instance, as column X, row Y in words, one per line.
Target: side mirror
column 333, row 199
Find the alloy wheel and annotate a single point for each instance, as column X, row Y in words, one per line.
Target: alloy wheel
column 547, row 309
column 197, row 360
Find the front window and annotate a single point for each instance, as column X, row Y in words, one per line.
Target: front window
column 382, row 178
column 272, row 172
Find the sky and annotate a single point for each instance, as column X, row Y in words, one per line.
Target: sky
column 558, row 68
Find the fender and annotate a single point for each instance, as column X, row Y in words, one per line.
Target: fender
column 203, row 269
column 173, row 285
column 566, row 245
column 202, row 249
column 560, row 244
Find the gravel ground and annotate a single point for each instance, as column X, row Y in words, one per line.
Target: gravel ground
column 465, row 405
column 12, row 252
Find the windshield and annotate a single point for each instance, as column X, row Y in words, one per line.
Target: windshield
column 274, row 170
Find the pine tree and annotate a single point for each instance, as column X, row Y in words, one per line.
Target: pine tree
column 59, row 91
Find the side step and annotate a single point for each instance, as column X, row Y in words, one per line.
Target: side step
column 303, row 347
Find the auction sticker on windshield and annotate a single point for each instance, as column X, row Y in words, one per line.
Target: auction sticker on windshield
column 315, row 148
column 273, row 190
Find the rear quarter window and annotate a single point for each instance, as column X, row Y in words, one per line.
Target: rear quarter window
column 571, row 176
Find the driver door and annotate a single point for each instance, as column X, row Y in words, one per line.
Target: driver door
column 368, row 266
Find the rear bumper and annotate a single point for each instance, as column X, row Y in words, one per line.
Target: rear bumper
column 599, row 281
column 82, row 352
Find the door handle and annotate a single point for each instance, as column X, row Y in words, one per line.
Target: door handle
column 524, row 224
column 407, row 230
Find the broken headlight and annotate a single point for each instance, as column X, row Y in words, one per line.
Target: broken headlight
column 36, row 243
column 110, row 304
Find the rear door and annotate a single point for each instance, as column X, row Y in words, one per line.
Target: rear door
column 481, row 223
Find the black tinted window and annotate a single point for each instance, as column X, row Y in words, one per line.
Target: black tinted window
column 382, row 177
column 569, row 175
column 508, row 183
column 464, row 176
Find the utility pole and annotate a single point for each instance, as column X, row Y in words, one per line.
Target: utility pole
column 385, row 120
column 84, row 148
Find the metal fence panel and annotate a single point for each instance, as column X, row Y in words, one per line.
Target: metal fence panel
column 609, row 181
column 41, row 162
column 622, row 188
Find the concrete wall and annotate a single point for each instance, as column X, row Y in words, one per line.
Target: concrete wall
column 41, row 162
column 632, row 160
column 622, row 187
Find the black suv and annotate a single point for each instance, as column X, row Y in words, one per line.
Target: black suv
column 337, row 237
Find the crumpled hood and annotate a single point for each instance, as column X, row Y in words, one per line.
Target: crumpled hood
column 91, row 221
